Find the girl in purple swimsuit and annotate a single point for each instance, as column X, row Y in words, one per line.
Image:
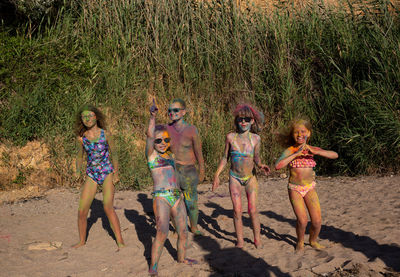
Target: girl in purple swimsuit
column 299, row 157
column 101, row 169
column 243, row 148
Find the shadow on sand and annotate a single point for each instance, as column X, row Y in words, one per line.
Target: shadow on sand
column 146, row 227
column 216, row 230
column 96, row 212
column 232, row 261
column 389, row 254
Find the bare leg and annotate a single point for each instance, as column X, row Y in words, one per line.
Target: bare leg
column 234, row 188
column 300, row 211
column 252, row 193
column 87, row 196
column 162, row 212
column 314, row 209
column 108, row 203
column 179, row 216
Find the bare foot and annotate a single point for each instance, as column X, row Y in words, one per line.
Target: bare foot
column 79, row 244
column 196, row 232
column 153, row 272
column 300, row 247
column 240, row 244
column 316, row 245
column 258, row 244
column 189, row 261
column 120, row 245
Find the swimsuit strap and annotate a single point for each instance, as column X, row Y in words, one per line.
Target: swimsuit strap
column 102, row 138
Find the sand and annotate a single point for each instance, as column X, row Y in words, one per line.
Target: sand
column 361, row 220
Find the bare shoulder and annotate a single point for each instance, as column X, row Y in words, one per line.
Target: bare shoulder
column 230, row 137
column 79, row 139
column 192, row 130
column 256, row 137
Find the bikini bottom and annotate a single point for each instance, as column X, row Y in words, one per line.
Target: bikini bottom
column 170, row 195
column 303, row 190
column 242, row 180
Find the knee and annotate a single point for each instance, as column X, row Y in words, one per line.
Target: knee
column 302, row 222
column 162, row 229
column 182, row 234
column 316, row 223
column 161, row 235
column 253, row 211
column 82, row 213
column 108, row 209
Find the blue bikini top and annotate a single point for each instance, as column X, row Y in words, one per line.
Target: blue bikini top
column 161, row 162
column 236, row 154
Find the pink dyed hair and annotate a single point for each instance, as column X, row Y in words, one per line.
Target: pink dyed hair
column 250, row 111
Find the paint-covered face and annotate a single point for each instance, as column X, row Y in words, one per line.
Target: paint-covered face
column 162, row 141
column 176, row 111
column 88, row 119
column 244, row 123
column 301, row 134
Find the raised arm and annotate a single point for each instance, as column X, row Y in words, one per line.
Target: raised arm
column 113, row 156
column 199, row 154
column 79, row 156
column 222, row 164
column 150, row 133
column 257, row 159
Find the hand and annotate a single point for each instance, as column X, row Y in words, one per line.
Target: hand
column 303, row 147
column 115, row 177
column 215, row 183
column 201, row 176
column 153, row 109
column 265, row 169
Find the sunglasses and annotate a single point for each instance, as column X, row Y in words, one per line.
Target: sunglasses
column 159, row 140
column 246, row 119
column 175, row 110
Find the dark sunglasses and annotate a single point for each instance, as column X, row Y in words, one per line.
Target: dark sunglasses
column 159, row 140
column 175, row 110
column 246, row 119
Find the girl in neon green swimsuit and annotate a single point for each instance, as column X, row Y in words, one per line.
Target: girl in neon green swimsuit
column 167, row 196
column 299, row 157
column 243, row 148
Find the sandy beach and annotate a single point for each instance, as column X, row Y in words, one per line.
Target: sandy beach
column 361, row 220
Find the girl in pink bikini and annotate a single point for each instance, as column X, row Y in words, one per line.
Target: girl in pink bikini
column 299, row 157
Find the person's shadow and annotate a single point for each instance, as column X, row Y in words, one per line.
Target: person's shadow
column 218, row 232
column 234, row 261
column 96, row 212
column 388, row 253
column 146, row 227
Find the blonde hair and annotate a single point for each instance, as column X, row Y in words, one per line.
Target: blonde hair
column 285, row 137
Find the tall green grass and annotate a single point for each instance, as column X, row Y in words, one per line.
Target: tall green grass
column 337, row 66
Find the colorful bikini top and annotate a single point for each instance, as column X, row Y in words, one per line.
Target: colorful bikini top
column 97, row 151
column 161, row 162
column 303, row 161
column 236, row 154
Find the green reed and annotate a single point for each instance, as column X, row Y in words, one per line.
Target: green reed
column 338, row 66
